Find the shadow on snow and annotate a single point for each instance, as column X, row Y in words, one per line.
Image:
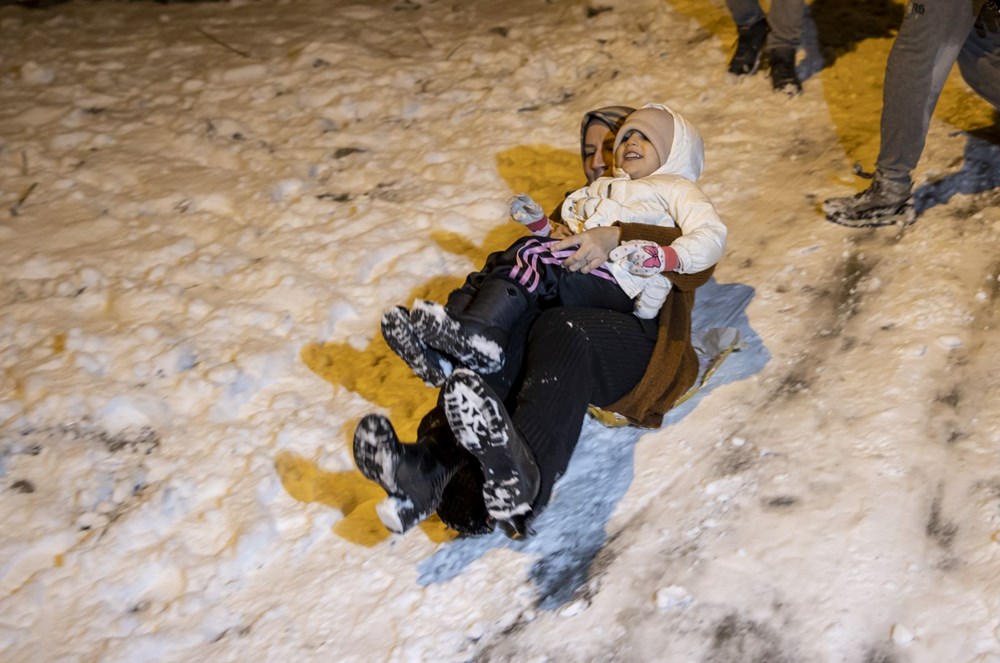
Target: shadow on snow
column 980, row 171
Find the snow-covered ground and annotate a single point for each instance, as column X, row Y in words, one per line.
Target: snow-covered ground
column 205, row 207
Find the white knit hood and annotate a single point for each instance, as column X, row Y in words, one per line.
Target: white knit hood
column 687, row 150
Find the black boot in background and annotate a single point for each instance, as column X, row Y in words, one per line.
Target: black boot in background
column 749, row 46
column 886, row 202
column 783, row 76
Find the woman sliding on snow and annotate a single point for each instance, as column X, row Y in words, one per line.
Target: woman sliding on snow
column 585, row 347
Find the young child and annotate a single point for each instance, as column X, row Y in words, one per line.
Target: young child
column 658, row 157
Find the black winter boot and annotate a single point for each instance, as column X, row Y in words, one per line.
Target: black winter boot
column 749, row 46
column 477, row 336
column 412, row 475
column 480, row 422
column 783, row 75
column 461, row 507
column 426, row 363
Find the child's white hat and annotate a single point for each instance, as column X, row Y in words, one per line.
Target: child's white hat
column 656, row 124
column 686, row 152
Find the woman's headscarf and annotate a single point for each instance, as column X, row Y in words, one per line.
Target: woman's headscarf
column 611, row 116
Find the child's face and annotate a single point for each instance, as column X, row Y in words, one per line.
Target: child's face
column 598, row 149
column 636, row 155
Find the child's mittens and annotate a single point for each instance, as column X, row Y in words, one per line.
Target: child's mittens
column 644, row 258
column 529, row 214
column 525, row 210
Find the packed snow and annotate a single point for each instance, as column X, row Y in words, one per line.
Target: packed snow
column 207, row 206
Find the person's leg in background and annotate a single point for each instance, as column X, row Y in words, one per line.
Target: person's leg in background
column 752, row 29
column 785, row 18
column 926, row 47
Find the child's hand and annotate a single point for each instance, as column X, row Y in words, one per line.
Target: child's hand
column 644, row 258
column 525, row 210
column 529, row 214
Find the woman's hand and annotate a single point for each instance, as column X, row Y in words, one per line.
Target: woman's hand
column 594, row 247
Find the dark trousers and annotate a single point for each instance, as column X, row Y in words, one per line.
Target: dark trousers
column 575, row 357
column 572, row 357
column 784, row 18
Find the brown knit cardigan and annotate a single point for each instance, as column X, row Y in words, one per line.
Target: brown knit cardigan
column 673, row 368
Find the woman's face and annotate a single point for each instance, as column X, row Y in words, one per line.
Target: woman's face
column 598, row 149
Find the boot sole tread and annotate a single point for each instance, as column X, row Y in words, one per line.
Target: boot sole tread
column 402, row 339
column 432, row 323
column 476, row 417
